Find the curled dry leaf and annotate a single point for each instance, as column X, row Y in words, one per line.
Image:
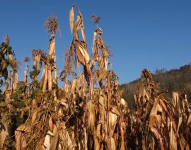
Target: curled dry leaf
column 76, row 24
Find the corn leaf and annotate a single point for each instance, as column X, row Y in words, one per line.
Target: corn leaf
column 76, row 23
column 71, row 19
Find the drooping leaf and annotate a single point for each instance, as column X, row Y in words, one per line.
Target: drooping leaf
column 71, row 19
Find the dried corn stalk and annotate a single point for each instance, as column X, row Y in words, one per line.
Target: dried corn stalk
column 81, row 115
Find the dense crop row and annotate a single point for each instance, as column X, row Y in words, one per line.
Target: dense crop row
column 81, row 115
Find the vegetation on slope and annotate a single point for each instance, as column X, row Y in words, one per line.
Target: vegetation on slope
column 169, row 80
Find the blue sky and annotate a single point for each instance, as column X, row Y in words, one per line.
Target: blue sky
column 143, row 33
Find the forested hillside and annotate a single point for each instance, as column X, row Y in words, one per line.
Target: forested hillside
column 170, row 80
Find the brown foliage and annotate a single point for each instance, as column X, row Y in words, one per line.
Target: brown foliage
column 82, row 116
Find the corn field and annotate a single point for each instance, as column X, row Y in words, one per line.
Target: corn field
column 87, row 112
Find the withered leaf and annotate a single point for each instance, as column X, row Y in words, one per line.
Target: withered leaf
column 103, row 75
column 83, row 34
column 76, row 23
column 71, row 19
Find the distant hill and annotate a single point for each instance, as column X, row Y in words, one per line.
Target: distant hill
column 172, row 80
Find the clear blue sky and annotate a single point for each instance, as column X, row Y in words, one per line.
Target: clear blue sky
column 143, row 33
